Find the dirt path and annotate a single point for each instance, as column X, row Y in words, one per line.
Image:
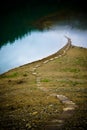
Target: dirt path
column 69, row 106
column 34, row 69
column 68, row 110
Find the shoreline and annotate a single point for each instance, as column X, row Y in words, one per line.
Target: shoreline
column 60, row 51
column 69, row 42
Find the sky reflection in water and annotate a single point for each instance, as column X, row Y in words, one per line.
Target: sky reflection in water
column 38, row 45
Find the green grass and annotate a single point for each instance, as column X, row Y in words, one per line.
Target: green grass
column 13, row 75
column 45, row 80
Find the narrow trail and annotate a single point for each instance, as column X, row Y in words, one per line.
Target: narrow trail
column 69, row 106
column 34, row 69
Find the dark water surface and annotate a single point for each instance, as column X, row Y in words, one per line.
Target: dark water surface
column 23, row 42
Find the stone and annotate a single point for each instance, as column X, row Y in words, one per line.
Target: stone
column 52, row 59
column 68, row 108
column 35, row 113
column 62, row 97
column 46, row 61
column 56, row 57
column 34, row 73
column 28, row 125
column 37, row 66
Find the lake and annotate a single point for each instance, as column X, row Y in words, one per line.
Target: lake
column 23, row 42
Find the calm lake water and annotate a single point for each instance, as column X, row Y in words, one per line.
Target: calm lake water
column 37, row 44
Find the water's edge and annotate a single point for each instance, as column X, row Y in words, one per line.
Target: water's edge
column 59, row 52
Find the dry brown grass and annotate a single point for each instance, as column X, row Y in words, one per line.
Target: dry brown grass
column 23, row 105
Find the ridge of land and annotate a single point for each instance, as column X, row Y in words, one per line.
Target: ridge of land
column 46, row 94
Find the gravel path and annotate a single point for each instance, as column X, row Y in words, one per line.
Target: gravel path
column 69, row 106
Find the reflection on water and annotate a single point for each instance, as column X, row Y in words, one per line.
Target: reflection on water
column 30, row 48
column 24, row 36
column 38, row 45
column 78, row 36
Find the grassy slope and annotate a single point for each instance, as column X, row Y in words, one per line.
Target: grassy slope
column 24, row 106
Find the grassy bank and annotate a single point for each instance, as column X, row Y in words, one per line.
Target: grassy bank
column 26, row 105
